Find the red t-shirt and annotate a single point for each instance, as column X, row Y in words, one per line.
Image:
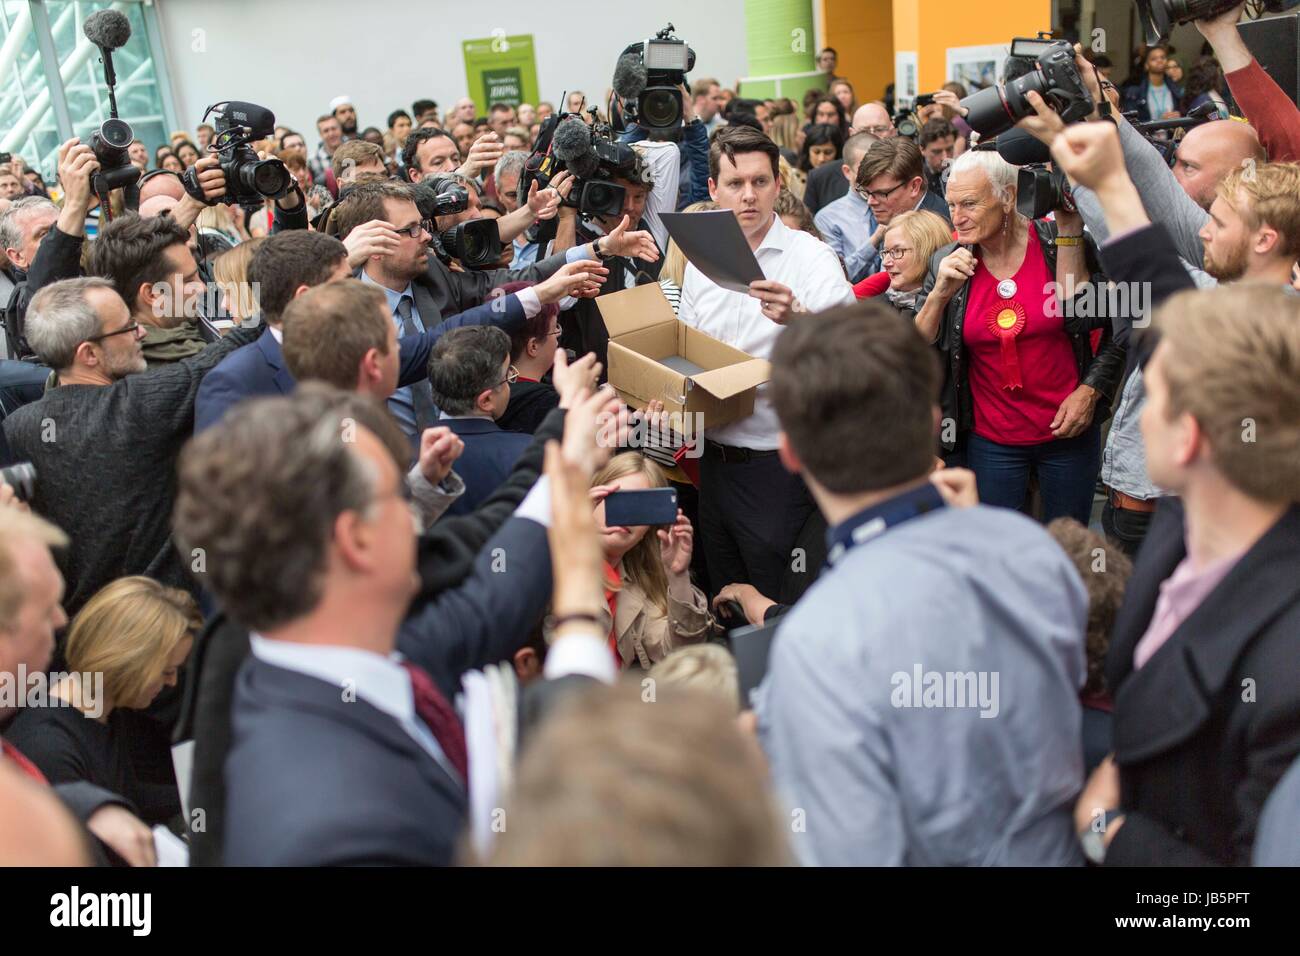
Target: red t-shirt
column 1047, row 369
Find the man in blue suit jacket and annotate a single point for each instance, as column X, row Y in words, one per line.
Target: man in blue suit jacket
column 343, row 751
column 286, row 265
column 470, row 374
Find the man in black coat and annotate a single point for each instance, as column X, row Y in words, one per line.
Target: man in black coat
column 1205, row 657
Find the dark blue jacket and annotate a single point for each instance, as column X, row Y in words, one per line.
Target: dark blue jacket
column 490, row 453
column 1134, row 98
column 258, row 369
column 313, row 780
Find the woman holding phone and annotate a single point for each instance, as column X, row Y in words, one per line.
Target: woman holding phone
column 654, row 608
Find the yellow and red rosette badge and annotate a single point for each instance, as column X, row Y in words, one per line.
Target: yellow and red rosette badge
column 1006, row 320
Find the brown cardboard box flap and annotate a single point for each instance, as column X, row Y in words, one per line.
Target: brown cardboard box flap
column 734, row 379
column 637, row 308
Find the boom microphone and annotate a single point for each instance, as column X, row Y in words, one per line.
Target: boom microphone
column 107, row 29
column 629, row 77
column 571, row 143
column 257, row 118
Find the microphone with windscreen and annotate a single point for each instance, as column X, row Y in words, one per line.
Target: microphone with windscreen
column 110, row 30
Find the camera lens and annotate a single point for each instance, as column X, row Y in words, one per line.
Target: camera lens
column 268, row 177
column 116, row 133
column 988, row 114
column 1017, row 106
column 660, row 107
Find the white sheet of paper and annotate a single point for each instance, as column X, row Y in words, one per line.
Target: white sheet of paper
column 171, row 849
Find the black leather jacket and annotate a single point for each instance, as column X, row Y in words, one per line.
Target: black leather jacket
column 1102, row 371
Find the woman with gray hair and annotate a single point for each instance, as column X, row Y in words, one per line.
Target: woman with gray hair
column 1006, row 305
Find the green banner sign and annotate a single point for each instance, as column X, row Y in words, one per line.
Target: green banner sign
column 500, row 69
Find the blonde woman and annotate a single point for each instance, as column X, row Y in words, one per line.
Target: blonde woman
column 230, row 269
column 674, row 267
column 653, row 605
column 704, row 667
column 123, row 648
column 908, row 244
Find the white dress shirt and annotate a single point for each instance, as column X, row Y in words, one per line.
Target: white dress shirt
column 811, row 270
column 664, row 160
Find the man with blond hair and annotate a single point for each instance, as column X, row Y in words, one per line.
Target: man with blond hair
column 1253, row 231
column 1203, row 655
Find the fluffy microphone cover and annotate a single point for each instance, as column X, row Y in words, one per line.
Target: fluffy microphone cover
column 107, row 28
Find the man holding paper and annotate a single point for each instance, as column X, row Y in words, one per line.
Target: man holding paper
column 751, row 508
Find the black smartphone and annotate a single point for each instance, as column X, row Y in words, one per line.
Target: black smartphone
column 924, row 99
column 648, row 507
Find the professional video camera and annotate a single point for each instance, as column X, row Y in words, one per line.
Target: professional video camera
column 999, row 107
column 646, row 79
column 1159, row 16
column 476, row 242
column 249, row 181
column 1039, row 188
column 110, row 30
column 591, row 154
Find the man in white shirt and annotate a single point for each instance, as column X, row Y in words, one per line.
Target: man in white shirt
column 751, row 508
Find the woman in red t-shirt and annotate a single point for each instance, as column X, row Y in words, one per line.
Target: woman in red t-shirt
column 1022, row 392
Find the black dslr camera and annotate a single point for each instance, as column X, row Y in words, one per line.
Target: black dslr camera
column 109, row 144
column 647, row 76
column 1159, row 16
column 997, row 108
column 475, row 243
column 249, row 181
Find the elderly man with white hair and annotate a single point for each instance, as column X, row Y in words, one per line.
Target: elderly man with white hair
column 1023, row 391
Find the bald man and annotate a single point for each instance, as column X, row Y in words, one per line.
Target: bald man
column 873, row 118
column 1209, row 152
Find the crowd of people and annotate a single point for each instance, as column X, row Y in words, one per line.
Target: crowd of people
column 301, row 485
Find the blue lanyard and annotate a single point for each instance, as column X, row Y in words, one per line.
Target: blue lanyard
column 871, row 523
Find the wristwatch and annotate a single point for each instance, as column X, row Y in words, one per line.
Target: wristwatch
column 1093, row 840
column 600, row 254
column 1069, row 240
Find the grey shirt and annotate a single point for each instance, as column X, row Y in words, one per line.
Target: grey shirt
column 873, row 775
column 1162, row 197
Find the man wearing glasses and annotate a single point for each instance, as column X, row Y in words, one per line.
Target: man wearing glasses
column 847, row 224
column 890, row 181
column 108, row 434
column 388, row 246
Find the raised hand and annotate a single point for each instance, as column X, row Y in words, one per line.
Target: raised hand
column 371, row 240
column 631, row 245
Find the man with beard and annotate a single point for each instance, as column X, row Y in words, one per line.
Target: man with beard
column 108, row 421
column 1253, row 231
column 341, row 109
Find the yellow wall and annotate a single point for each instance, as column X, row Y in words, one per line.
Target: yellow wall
column 862, row 33
column 948, row 23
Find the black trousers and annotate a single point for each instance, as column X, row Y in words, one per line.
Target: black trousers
column 1126, row 528
column 751, row 512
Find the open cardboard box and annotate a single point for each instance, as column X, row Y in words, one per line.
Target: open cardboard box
column 710, row 378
